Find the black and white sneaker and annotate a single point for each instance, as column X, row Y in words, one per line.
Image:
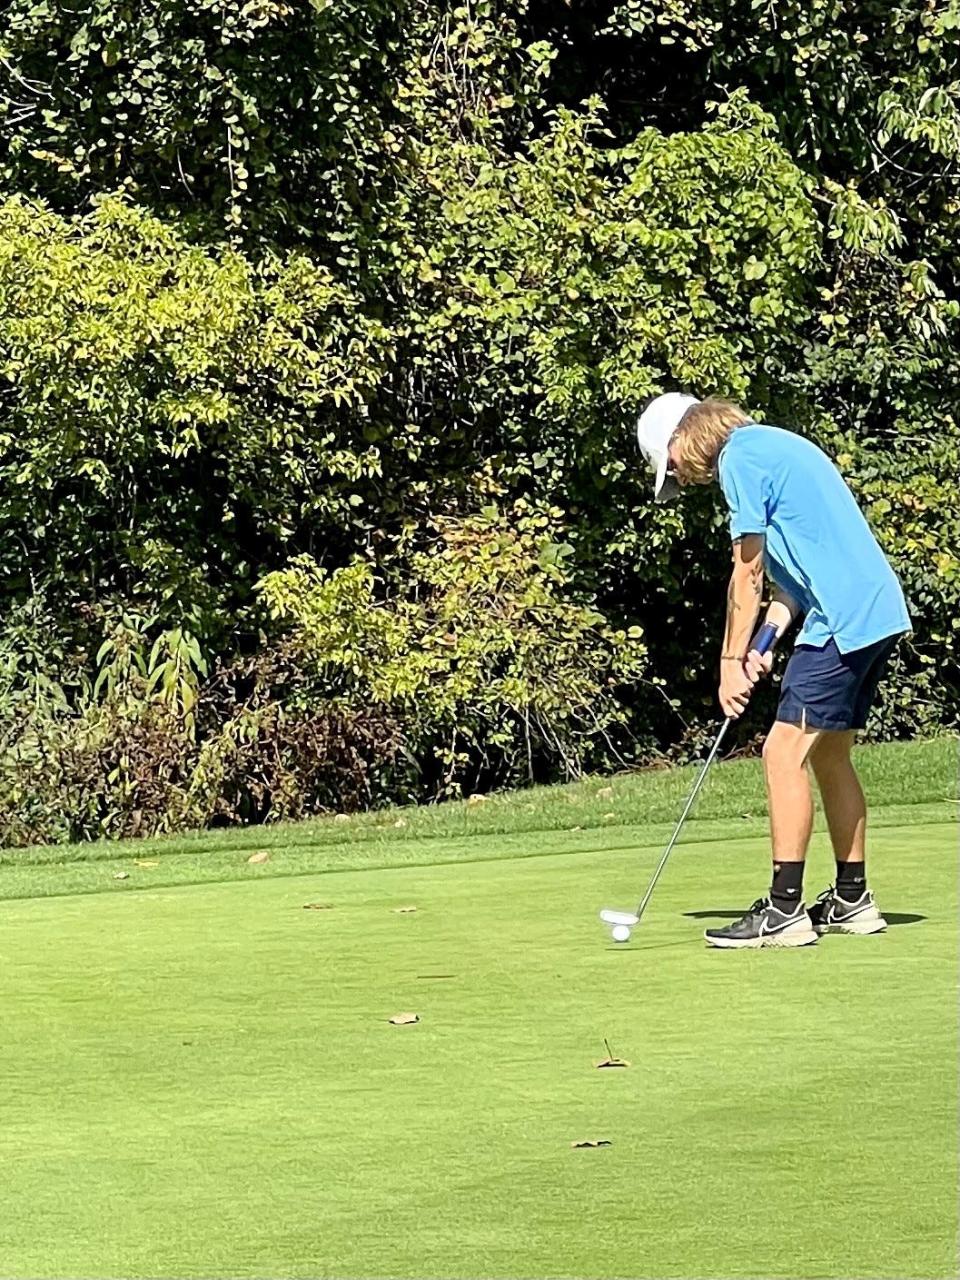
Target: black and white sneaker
column 764, row 925
column 833, row 914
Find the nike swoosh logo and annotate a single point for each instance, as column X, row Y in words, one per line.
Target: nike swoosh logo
column 763, row 926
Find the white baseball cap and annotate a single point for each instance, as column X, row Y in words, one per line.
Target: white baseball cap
column 655, row 427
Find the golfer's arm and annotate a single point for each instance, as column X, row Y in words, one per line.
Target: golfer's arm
column 744, row 595
column 781, row 611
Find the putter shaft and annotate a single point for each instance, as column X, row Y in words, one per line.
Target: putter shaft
column 683, row 817
column 762, row 642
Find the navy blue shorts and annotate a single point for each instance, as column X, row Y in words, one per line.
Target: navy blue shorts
column 827, row 689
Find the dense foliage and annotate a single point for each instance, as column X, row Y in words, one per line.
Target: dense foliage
column 322, row 333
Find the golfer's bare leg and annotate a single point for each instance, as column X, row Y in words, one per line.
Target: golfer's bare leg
column 849, row 907
column 785, row 755
column 842, row 795
column 780, row 919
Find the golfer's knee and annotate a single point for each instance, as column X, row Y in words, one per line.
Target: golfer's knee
column 784, row 752
column 832, row 753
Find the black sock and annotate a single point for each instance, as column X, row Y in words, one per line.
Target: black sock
column 787, row 887
column 851, row 880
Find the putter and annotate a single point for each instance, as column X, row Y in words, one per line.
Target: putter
column 763, row 641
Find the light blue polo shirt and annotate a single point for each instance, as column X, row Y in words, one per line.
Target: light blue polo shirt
column 819, row 547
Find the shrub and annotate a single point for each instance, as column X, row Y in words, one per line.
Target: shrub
column 495, row 673
column 169, row 412
column 150, row 747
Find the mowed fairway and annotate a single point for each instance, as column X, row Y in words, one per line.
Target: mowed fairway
column 201, row 1080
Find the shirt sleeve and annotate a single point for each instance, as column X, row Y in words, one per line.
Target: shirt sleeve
column 746, row 487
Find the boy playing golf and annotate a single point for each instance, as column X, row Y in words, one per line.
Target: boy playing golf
column 792, row 515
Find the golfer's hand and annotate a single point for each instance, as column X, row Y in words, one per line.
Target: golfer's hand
column 758, row 665
column 735, row 689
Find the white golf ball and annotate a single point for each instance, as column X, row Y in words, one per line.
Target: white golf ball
column 621, row 933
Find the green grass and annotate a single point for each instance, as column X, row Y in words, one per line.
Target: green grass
column 916, row 782
column 200, row 1079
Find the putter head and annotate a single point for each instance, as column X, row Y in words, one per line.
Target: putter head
column 609, row 916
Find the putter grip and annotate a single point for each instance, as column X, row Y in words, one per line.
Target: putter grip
column 765, row 638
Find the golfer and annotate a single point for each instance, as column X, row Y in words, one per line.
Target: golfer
column 792, row 515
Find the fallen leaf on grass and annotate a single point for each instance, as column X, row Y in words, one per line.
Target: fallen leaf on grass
column 121, row 875
column 403, row 911
column 609, row 815
column 318, row 906
column 341, row 817
column 610, row 1060
column 400, row 822
column 142, row 862
column 593, row 1142
column 605, row 793
column 403, row 1019
column 260, row 856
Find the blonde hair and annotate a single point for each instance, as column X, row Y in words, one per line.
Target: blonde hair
column 703, row 431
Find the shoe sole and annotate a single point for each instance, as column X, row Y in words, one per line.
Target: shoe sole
column 806, row 938
column 859, row 927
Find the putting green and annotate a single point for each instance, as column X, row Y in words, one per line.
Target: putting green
column 201, row 1081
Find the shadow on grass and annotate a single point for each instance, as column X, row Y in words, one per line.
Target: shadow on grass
column 649, row 946
column 892, row 917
